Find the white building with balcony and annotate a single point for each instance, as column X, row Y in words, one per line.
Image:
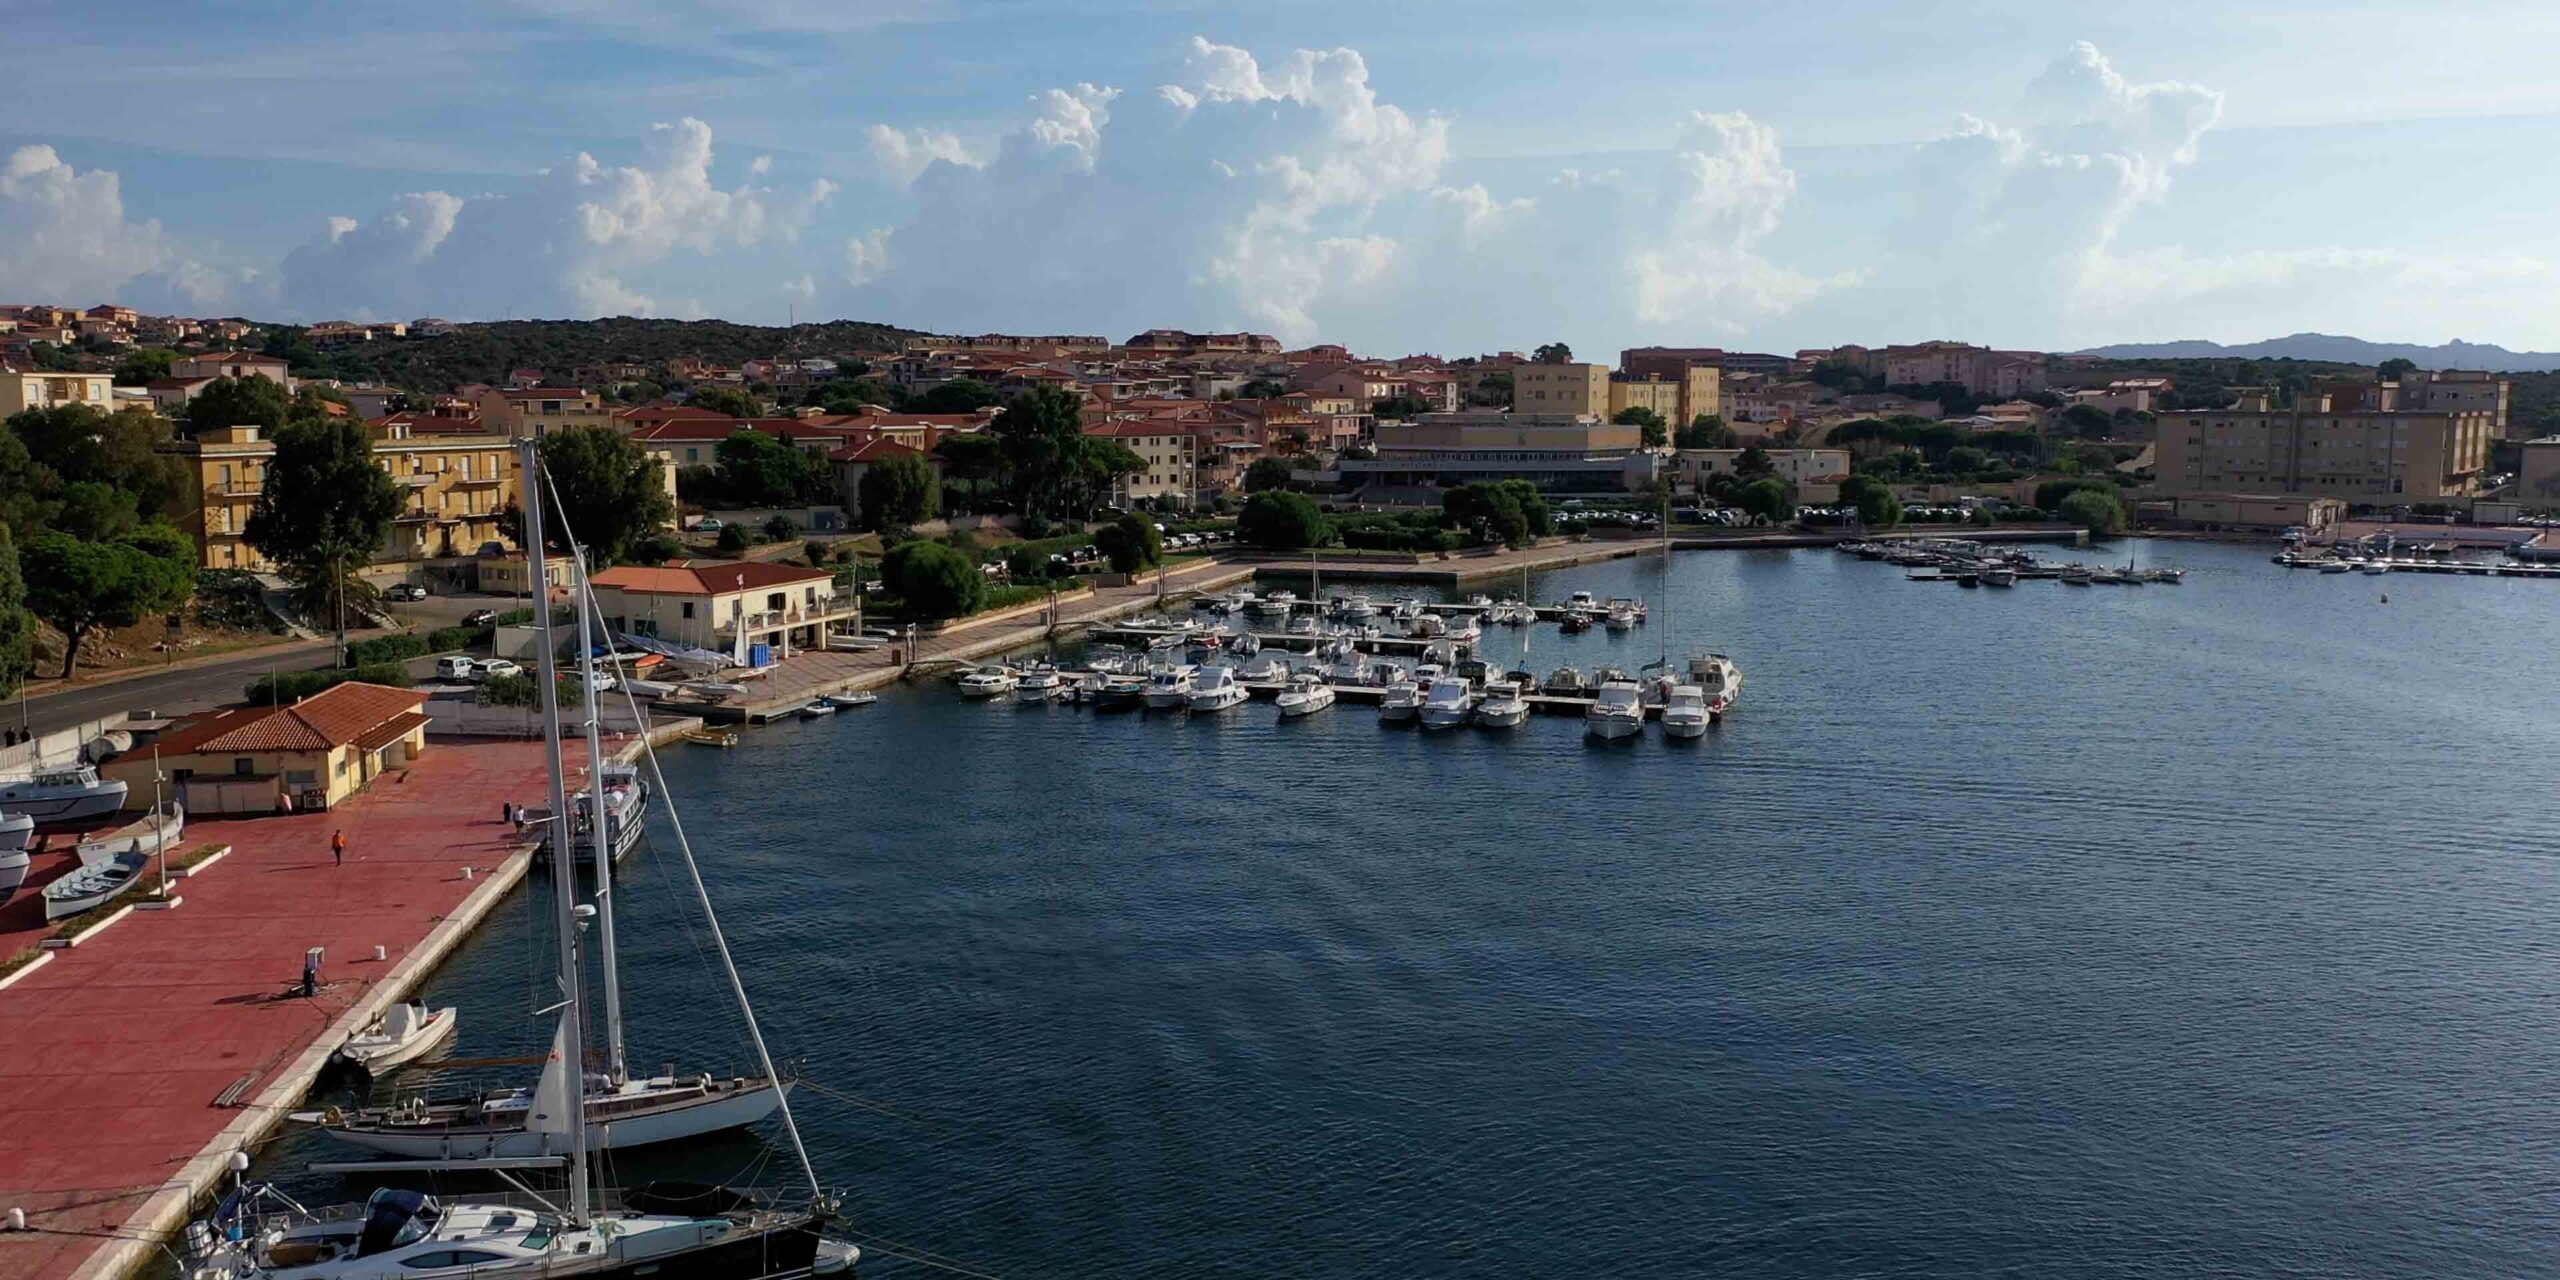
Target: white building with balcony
column 728, row 606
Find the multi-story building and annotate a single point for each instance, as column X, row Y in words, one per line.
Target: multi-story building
column 1550, row 389
column 1170, row 450
column 233, row 364
column 1680, row 397
column 2538, row 478
column 539, row 411
column 2354, row 454
column 22, row 389
column 725, row 606
column 1980, row 370
column 1560, row 451
column 452, row 489
column 1800, row 467
column 2459, row 389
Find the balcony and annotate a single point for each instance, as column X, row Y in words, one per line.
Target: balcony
column 232, row 490
column 798, row 615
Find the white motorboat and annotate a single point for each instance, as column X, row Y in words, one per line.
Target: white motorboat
column 1583, row 601
column 405, row 1033
column 1619, row 618
column 1447, row 703
column 1999, row 577
column 1684, row 713
column 1305, row 696
column 652, row 690
column 67, row 793
column 1503, row 707
column 2377, row 566
column 988, row 682
column 1405, row 609
column 848, row 701
column 1042, row 683
column 813, row 710
column 626, row 806
column 1216, row 689
column 93, row 884
column 1463, row 626
column 1278, row 604
column 1169, row 688
column 1617, row 711
column 1478, row 603
column 1403, row 701
column 1351, row 668
column 1305, row 625
column 1265, row 669
column 1426, row 626
column 1718, row 679
column 1355, row 609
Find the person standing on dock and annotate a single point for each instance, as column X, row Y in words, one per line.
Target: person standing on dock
column 338, row 846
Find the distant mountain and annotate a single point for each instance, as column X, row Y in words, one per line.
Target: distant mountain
column 2339, row 349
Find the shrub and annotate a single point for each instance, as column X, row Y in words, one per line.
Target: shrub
column 1282, row 521
column 2096, row 510
column 1131, row 542
column 734, row 539
column 449, row 639
column 935, row 581
column 293, row 686
column 385, row 649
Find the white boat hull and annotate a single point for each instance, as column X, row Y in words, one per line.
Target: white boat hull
column 73, row 806
column 16, row 829
column 13, row 871
column 1397, row 712
column 1443, row 717
column 1503, row 717
column 1290, row 710
column 1612, row 727
column 377, row 1054
column 726, row 1111
column 1220, row 700
column 1168, row 701
column 1684, row 727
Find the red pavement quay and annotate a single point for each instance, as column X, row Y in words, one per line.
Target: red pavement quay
column 112, row 1054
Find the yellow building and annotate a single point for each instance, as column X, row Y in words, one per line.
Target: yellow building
column 311, row 755
column 2538, row 478
column 2361, row 455
column 1699, row 389
column 21, row 390
column 1171, row 453
column 1561, row 388
column 726, row 606
column 541, row 411
column 453, row 487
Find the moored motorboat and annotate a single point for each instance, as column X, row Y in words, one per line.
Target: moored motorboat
column 1041, row 683
column 1447, row 703
column 65, row 793
column 1684, row 712
column 1566, row 682
column 848, row 701
column 1169, row 688
column 1401, row 702
column 1718, row 679
column 1305, row 696
column 813, row 710
column 404, row 1033
column 1616, row 711
column 1502, row 707
column 1216, row 689
column 1123, row 689
column 988, row 682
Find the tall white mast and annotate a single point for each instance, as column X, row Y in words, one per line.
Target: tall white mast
column 564, row 872
column 599, row 820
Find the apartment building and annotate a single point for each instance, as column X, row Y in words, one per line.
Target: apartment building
column 1561, row 389
column 2538, row 478
column 233, row 364
column 736, row 607
column 1981, row 370
column 1799, row 467
column 2317, row 447
column 452, row 489
column 1561, row 451
column 22, row 389
column 1170, row 450
column 539, row 411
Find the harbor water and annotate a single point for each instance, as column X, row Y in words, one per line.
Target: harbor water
column 2117, row 931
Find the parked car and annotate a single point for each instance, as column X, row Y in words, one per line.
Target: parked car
column 406, row 591
column 490, row 668
column 709, row 524
column 480, row 618
column 456, row 666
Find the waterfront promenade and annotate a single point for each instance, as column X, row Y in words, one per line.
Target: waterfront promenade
column 116, row 1051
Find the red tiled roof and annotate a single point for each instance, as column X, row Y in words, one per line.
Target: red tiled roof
column 706, row 577
column 391, row 731
column 333, row 717
column 872, row 450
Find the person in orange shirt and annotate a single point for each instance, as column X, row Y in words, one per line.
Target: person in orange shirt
column 338, row 847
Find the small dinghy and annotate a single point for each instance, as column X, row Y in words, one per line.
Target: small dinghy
column 817, row 709
column 850, row 700
column 151, row 833
column 407, row 1032
column 92, row 885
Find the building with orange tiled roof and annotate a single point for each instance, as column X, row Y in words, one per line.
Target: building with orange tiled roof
column 734, row 607
column 310, row 755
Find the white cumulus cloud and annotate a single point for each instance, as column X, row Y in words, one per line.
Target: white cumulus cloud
column 63, row 233
column 900, row 154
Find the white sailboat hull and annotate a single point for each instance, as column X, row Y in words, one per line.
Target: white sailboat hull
column 722, row 1111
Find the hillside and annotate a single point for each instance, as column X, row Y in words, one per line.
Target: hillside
column 2341, row 350
column 486, row 352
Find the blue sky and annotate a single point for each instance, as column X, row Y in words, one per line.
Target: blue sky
column 1445, row 177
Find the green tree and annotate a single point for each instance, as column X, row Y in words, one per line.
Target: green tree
column 2395, row 368
column 935, row 581
column 734, row 538
column 1706, row 431
column 1399, row 408
column 1878, row 507
column 729, row 400
column 1965, row 458
column 761, row 470
column 1280, row 521
column 960, row 395
column 2094, row 509
column 1656, row 431
column 68, row 444
column 2087, row 420
column 611, row 492
column 1490, row 512
column 143, row 365
column 1100, row 463
column 323, row 511
column 1533, row 506
column 973, row 458
column 655, row 548
column 1130, row 542
column 1492, row 390
column 1043, row 440
column 79, row 586
column 256, row 400
column 898, row 492
column 1753, row 463
column 17, row 626
column 2050, row 494
column 1267, row 473
column 97, row 512
column 1261, row 389
column 1552, row 353
column 1769, row 498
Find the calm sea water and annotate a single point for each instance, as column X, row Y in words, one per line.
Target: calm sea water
column 2170, row 931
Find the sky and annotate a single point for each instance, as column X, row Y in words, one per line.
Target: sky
column 1442, row 177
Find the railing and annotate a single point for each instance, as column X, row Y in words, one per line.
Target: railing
column 766, row 619
column 233, row 489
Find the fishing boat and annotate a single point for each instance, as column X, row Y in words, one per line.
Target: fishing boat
column 1305, row 696
column 1216, row 689
column 154, row 832
column 1447, row 703
column 64, row 793
column 406, row 1032
column 1401, row 702
column 1169, row 688
column 1502, row 707
column 258, row 1232
column 712, row 737
column 569, row 1111
column 1615, row 712
column 1684, row 712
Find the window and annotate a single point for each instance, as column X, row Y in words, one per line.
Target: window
column 341, row 766
column 243, row 766
column 688, row 612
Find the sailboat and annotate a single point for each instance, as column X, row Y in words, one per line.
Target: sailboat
column 622, row 1111
column 668, row 1231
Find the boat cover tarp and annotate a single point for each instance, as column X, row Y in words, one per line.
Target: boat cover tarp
column 680, row 652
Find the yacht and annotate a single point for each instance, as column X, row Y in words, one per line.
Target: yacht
column 1403, row 701
column 1512, row 613
column 988, row 682
column 626, row 810
column 1583, row 600
column 1619, row 618
column 1503, row 707
column 1447, row 704
column 1426, row 626
column 1464, row 627
column 1169, row 688
column 1717, row 679
column 1265, row 669
column 1684, row 713
column 68, row 793
column 1616, row 712
column 1216, row 689
column 1305, row 696
column 1351, row 668
column 1039, row 684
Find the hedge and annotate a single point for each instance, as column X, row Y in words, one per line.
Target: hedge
column 293, row 686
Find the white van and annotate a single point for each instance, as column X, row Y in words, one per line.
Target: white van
column 455, row 666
